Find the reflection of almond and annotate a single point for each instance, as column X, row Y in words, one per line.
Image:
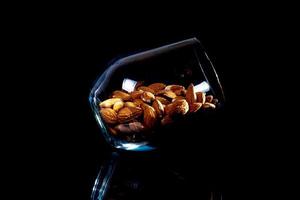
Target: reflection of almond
column 118, row 105
column 215, row 101
column 149, row 116
column 130, row 104
column 209, row 98
column 113, row 131
column 127, row 114
column 158, row 107
column 136, row 127
column 200, row 97
column 157, row 86
column 122, row 95
column 146, row 89
column 147, row 97
column 166, row 120
column 163, row 100
column 190, row 94
column 109, row 115
column 174, row 87
column 136, row 94
column 209, row 105
column 195, row 107
column 109, row 102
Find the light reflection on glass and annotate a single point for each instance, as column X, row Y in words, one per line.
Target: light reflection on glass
column 128, row 85
column 202, row 87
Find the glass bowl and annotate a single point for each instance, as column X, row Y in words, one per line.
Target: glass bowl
column 174, row 84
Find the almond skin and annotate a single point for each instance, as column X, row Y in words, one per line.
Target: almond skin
column 209, row 98
column 190, row 94
column 162, row 100
column 195, row 107
column 122, row 95
column 180, row 107
column 127, row 114
column 136, row 94
column 209, row 105
column 149, row 116
column 166, row 120
column 130, row 104
column 147, row 97
column 109, row 102
column 109, row 115
column 146, row 89
column 200, row 97
column 158, row 107
column 157, row 86
column 118, row 105
column 174, row 87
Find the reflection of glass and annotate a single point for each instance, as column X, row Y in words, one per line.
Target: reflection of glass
column 179, row 63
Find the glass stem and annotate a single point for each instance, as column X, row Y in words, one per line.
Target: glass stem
column 104, row 177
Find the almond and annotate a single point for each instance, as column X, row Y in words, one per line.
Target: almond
column 123, row 128
column 200, row 97
column 157, row 86
column 138, row 102
column 195, row 107
column 127, row 114
column 122, row 95
column 138, row 84
column 118, row 105
column 162, row 100
column 109, row 102
column 147, row 97
column 174, row 87
column 169, row 94
column 146, row 89
column 136, row 94
column 166, row 120
column 130, row 104
column 109, row 115
column 158, row 107
column 136, row 127
column 180, row 107
column 190, row 94
column 209, row 98
column 149, row 116
column 180, row 92
column 209, row 105
column 178, row 98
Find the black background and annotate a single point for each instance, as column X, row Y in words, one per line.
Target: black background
column 61, row 53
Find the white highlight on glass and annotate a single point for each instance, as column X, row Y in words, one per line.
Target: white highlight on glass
column 202, row 87
column 128, row 85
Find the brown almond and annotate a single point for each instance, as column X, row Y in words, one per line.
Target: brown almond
column 148, row 97
column 180, row 92
column 127, row 114
column 209, row 105
column 195, row 107
column 209, row 98
column 130, row 104
column 109, row 102
column 190, row 94
column 200, row 97
column 136, row 94
column 174, row 87
column 169, row 94
column 166, row 120
column 180, row 107
column 123, row 128
column 122, row 95
column 149, row 116
column 146, row 89
column 139, row 84
column 162, row 100
column 158, row 107
column 157, row 86
column 138, row 102
column 109, row 115
column 178, row 98
column 118, row 105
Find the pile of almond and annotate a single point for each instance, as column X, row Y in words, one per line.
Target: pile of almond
column 148, row 107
